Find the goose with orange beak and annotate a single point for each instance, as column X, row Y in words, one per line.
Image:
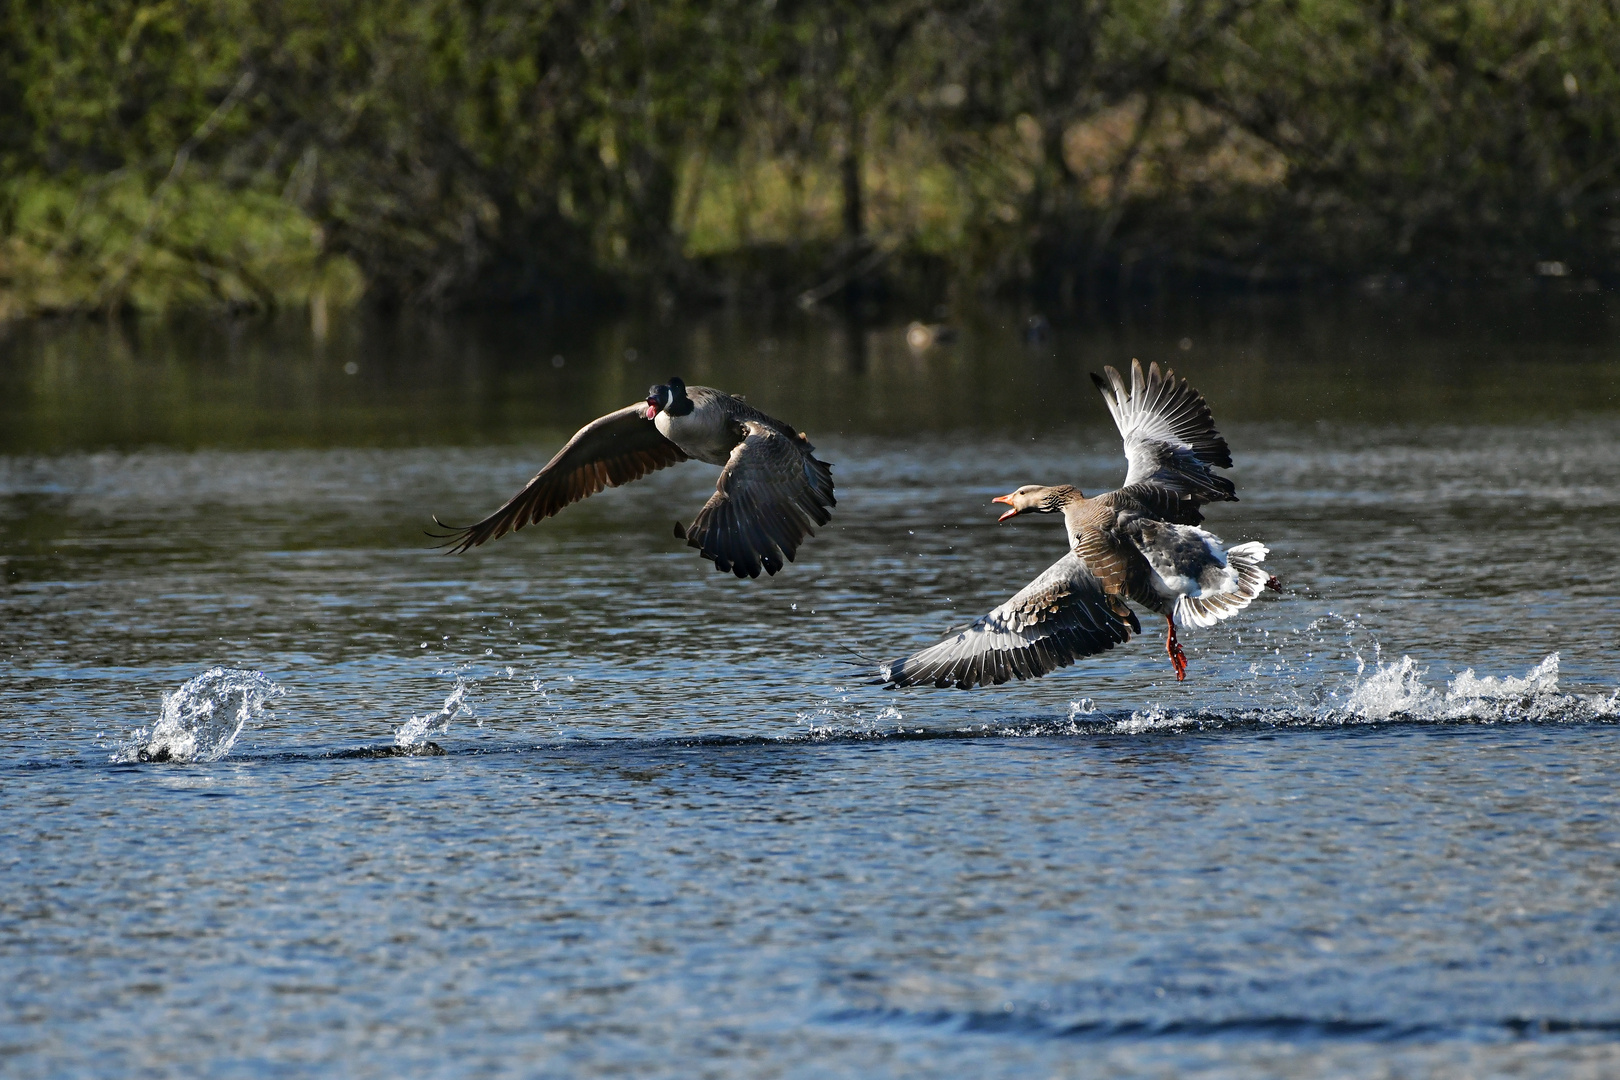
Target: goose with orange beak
column 1140, row 544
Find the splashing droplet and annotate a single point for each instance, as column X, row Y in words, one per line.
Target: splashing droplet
column 416, row 730
column 202, row 719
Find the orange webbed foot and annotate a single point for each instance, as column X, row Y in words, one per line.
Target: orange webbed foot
column 1178, row 659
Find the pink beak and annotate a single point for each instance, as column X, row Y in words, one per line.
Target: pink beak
column 652, row 408
column 1007, row 499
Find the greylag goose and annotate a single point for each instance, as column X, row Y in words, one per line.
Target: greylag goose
column 1141, row 543
column 771, row 493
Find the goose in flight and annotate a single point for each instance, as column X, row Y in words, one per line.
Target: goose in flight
column 1141, row 543
column 771, row 493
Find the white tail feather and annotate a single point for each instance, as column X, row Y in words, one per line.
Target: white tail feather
column 1248, row 581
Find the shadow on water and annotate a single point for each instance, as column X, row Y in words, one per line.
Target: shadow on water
column 1024, row 1024
column 1108, row 728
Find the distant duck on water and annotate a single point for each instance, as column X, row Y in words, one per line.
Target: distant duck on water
column 921, row 335
column 771, row 493
column 1140, row 543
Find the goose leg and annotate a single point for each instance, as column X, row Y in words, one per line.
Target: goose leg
column 1273, row 584
column 1178, row 659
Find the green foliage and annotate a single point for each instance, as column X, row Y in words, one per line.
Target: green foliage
column 230, row 153
column 198, row 244
column 1472, row 137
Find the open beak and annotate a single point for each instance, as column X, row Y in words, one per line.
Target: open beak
column 1006, row 499
column 652, row 407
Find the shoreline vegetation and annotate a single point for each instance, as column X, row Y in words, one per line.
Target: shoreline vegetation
column 229, row 155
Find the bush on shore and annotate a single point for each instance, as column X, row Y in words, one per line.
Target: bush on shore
column 117, row 245
column 231, row 154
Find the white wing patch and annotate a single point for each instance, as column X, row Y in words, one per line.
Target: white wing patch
column 1243, row 581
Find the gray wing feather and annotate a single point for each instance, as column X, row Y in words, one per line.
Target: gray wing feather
column 611, row 450
column 1058, row 618
column 1170, row 441
column 770, row 496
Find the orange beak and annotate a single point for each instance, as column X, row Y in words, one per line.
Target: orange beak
column 1008, row 500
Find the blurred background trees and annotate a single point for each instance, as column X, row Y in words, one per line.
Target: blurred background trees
column 228, row 153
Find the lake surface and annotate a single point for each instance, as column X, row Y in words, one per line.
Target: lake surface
column 676, row 829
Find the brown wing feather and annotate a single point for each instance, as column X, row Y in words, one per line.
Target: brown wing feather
column 1105, row 556
column 770, row 496
column 1059, row 617
column 612, row 450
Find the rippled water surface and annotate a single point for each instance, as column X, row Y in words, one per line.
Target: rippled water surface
column 287, row 792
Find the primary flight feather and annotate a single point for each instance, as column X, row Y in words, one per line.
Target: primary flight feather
column 772, row 492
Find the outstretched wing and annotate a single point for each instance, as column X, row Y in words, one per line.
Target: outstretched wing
column 1170, row 442
column 615, row 449
column 770, row 495
column 1056, row 619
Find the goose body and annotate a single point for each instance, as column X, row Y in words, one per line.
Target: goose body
column 1142, row 543
column 708, row 429
column 771, row 493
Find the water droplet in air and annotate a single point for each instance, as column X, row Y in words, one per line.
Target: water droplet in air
column 202, row 719
column 416, row 730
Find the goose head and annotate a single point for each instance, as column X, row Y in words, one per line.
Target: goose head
column 1036, row 499
column 668, row 397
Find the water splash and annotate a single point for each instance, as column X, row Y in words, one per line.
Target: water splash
column 1538, row 681
column 1082, row 707
column 202, row 719
column 1391, row 690
column 415, row 731
column 1396, row 692
column 837, row 717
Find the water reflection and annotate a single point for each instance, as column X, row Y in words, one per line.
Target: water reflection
column 510, row 377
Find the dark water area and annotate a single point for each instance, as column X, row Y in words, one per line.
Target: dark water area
column 419, row 381
column 575, row 804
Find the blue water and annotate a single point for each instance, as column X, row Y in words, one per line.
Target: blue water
column 574, row 804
